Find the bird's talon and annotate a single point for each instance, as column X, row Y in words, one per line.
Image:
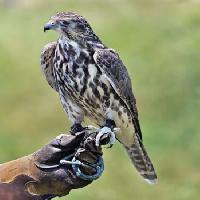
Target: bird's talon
column 116, row 130
column 91, row 127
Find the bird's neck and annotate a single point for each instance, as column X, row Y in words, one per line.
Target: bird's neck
column 63, row 40
column 86, row 43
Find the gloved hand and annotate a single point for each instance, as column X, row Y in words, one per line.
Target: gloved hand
column 41, row 175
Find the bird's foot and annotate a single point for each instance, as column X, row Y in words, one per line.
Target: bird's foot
column 106, row 132
column 91, row 128
column 76, row 128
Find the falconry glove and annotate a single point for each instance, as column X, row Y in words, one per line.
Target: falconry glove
column 42, row 175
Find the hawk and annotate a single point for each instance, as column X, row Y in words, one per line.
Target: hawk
column 92, row 81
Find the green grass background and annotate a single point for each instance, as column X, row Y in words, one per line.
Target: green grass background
column 159, row 42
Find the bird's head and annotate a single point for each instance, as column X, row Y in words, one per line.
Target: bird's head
column 71, row 25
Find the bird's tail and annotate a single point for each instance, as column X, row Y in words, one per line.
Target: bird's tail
column 141, row 161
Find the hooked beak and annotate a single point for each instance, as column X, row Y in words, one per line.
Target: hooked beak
column 50, row 26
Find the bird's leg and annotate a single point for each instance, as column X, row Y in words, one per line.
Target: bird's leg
column 107, row 130
column 76, row 127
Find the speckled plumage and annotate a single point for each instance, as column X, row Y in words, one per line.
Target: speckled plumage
column 93, row 82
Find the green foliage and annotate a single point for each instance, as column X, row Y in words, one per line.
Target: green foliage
column 159, row 42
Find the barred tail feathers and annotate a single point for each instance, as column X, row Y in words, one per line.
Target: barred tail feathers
column 141, row 161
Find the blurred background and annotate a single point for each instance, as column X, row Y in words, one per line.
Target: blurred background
column 159, row 42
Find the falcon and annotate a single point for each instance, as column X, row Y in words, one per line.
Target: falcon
column 93, row 82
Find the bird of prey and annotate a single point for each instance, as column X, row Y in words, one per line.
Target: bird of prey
column 92, row 81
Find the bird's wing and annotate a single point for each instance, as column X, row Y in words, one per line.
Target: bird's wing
column 111, row 65
column 46, row 62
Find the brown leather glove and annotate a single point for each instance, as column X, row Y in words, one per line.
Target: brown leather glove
column 41, row 176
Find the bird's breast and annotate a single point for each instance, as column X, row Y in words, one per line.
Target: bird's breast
column 80, row 79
